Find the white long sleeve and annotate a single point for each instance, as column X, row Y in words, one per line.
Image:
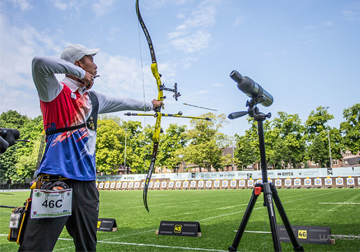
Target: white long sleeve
column 44, row 70
column 110, row 104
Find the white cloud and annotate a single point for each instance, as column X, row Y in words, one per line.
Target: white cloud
column 160, row 3
column 180, row 16
column 60, row 5
column 120, row 76
column 19, row 46
column 17, row 49
column 187, row 62
column 102, row 7
column 22, row 4
column 203, row 16
column 327, row 23
column 352, row 12
column 192, row 43
column 73, row 8
column 193, row 34
column 240, row 20
column 217, row 85
column 202, row 92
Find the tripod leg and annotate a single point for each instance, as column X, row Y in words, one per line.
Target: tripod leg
column 244, row 221
column 285, row 220
column 272, row 216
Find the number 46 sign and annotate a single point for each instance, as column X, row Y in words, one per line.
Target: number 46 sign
column 51, row 204
column 302, row 234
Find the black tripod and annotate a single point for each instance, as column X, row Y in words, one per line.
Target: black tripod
column 270, row 192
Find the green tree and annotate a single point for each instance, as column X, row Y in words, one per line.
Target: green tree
column 12, row 119
column 289, row 146
column 244, row 151
column 138, row 147
column 8, row 161
column 113, row 135
column 247, row 149
column 109, row 147
column 25, row 167
column 270, row 136
column 16, row 163
column 350, row 129
column 174, row 139
column 207, row 155
column 28, row 154
column 317, row 136
column 318, row 150
column 206, row 143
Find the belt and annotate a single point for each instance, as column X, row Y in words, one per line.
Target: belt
column 49, row 177
column 45, row 177
column 50, row 132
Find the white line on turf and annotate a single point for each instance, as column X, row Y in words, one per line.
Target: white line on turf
column 349, row 237
column 121, row 236
column 338, row 203
column 152, row 245
column 223, row 215
column 256, row 232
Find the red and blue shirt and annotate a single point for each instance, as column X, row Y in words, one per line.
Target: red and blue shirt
column 71, row 154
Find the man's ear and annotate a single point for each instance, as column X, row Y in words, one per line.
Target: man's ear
column 77, row 63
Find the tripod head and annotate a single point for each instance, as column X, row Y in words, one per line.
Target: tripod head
column 253, row 111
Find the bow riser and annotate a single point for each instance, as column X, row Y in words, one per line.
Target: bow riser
column 155, row 72
column 157, row 131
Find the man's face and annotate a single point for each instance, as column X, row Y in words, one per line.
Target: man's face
column 87, row 63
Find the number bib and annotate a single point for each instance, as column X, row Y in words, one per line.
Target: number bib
column 51, row 204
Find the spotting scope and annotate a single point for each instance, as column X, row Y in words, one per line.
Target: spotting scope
column 8, row 138
column 252, row 89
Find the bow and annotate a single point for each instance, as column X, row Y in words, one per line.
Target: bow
column 155, row 72
column 158, row 114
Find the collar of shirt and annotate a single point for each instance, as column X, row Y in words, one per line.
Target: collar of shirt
column 73, row 85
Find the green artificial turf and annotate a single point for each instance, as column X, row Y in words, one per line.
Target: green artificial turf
column 219, row 213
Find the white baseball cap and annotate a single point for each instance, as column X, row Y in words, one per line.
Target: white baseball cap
column 75, row 52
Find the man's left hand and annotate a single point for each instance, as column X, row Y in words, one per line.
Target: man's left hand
column 156, row 103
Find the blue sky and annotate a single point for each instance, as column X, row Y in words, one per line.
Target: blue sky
column 304, row 53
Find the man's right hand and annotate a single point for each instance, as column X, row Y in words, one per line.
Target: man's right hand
column 87, row 80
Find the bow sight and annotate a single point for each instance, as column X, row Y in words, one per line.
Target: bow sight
column 174, row 90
